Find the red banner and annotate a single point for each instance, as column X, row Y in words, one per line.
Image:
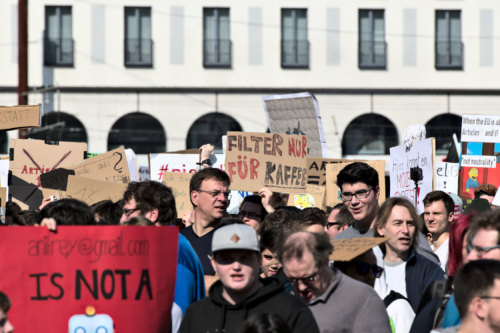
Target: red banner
column 98, row 278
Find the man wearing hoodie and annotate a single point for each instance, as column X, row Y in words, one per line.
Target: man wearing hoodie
column 239, row 293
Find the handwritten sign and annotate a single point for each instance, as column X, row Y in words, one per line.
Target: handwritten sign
column 179, row 183
column 447, row 176
column 278, row 161
column 179, row 162
column 333, row 192
column 313, row 197
column 480, row 128
column 297, row 114
column 348, row 249
column 125, row 273
column 316, row 170
column 111, row 167
column 422, row 155
column 92, row 191
column 21, row 116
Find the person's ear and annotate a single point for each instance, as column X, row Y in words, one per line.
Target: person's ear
column 152, row 215
column 195, row 195
column 377, row 192
column 212, row 261
column 450, row 217
column 342, row 228
column 380, row 230
column 479, row 308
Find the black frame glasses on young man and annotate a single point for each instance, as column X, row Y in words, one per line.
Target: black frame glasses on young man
column 216, row 194
column 250, row 215
column 360, row 194
column 128, row 212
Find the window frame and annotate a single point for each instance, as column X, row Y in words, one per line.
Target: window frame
column 219, row 62
column 372, row 40
column 296, row 64
column 59, row 41
column 141, row 63
column 449, row 64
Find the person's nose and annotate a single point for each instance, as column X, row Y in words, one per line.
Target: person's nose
column 405, row 228
column 8, row 328
column 236, row 265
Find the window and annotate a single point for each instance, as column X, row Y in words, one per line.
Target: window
column 372, row 49
column 216, row 41
column 59, row 126
column 138, row 42
column 139, row 131
column 442, row 127
column 209, row 129
column 369, row 134
column 294, row 43
column 58, row 36
column 449, row 46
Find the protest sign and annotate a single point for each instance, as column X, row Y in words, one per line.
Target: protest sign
column 111, row 167
column 333, row 192
column 179, row 183
column 92, row 191
column 446, row 177
column 480, row 128
column 21, row 116
column 126, row 273
column 297, row 114
column 421, row 154
column 496, row 199
column 179, row 162
column 56, row 179
column 348, row 249
column 277, row 161
column 132, row 164
column 314, row 196
column 3, row 197
column 316, row 169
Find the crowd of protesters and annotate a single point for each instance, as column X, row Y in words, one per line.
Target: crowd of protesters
column 268, row 268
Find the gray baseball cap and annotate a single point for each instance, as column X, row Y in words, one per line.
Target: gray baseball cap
column 235, row 237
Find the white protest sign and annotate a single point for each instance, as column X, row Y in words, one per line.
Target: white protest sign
column 479, row 161
column 297, row 114
column 480, row 128
column 496, row 199
column 421, row 154
column 163, row 162
column 132, row 164
column 447, row 177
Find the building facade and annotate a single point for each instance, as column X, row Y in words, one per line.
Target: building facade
column 170, row 75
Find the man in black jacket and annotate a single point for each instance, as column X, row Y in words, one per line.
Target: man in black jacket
column 239, row 293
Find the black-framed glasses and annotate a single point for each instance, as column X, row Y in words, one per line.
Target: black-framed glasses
column 250, row 215
column 216, row 194
column 364, row 268
column 361, row 194
column 481, row 251
column 304, row 280
column 128, row 212
column 489, row 297
column 331, row 224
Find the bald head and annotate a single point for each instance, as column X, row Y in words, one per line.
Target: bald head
column 303, row 242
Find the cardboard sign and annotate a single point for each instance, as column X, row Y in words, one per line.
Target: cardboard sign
column 179, row 183
column 21, row 116
column 333, row 192
column 125, row 275
column 313, row 197
column 421, row 154
column 480, row 128
column 297, row 114
column 316, row 170
column 278, row 161
column 3, row 197
column 92, row 191
column 179, row 162
column 348, row 249
column 111, row 167
column 447, row 177
column 56, row 179
column 30, row 158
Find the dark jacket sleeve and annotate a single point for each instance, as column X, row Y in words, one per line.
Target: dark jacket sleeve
column 420, row 273
column 303, row 321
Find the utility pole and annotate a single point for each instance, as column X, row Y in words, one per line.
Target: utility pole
column 22, row 57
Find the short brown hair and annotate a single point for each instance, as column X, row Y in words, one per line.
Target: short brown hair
column 318, row 244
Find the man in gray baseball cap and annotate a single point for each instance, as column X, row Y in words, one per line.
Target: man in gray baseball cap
column 239, row 293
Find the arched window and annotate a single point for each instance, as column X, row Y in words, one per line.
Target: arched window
column 139, row 131
column 4, row 143
column 369, row 134
column 442, row 128
column 59, row 126
column 209, row 129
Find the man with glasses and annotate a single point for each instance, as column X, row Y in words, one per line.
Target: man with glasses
column 209, row 190
column 338, row 303
column 484, row 237
column 252, row 212
column 338, row 220
column 477, row 294
column 5, row 325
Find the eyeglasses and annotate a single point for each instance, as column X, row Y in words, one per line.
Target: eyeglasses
column 331, row 224
column 128, row 212
column 305, row 280
column 250, row 215
column 481, row 251
column 361, row 194
column 216, row 194
column 364, row 268
column 489, row 297
column 3, row 321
